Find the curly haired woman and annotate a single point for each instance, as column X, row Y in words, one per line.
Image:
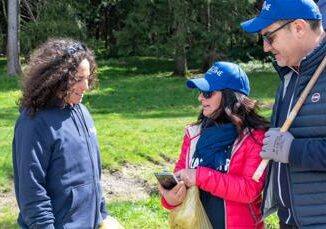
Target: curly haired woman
column 220, row 152
column 56, row 159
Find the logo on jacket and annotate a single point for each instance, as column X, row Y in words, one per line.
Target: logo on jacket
column 315, row 97
column 224, row 168
column 93, row 130
column 195, row 162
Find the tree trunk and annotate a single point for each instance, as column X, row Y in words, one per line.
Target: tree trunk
column 106, row 27
column 4, row 10
column 181, row 62
column 180, row 40
column 209, row 59
column 111, row 26
column 13, row 62
column 211, row 55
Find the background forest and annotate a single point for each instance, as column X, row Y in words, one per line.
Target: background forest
column 192, row 32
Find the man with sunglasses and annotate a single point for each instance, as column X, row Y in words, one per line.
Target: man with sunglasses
column 296, row 183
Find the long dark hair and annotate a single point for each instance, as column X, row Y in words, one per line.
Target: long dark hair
column 51, row 72
column 238, row 109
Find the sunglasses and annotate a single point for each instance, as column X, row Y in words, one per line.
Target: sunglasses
column 268, row 36
column 70, row 50
column 206, row 94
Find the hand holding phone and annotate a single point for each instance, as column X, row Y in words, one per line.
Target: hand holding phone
column 173, row 191
column 167, row 179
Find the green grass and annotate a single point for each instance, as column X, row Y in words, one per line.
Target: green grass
column 140, row 112
column 141, row 215
column 8, row 218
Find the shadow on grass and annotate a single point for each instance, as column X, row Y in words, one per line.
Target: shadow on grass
column 8, row 83
column 130, row 66
column 3, row 62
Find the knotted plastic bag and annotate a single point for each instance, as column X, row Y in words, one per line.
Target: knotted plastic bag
column 190, row 214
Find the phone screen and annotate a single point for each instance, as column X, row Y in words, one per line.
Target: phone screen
column 167, row 180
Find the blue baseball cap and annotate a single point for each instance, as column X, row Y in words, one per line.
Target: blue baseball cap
column 275, row 10
column 222, row 75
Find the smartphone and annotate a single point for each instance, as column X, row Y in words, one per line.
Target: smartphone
column 167, row 179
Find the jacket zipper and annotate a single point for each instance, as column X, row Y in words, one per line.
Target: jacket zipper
column 291, row 209
column 92, row 163
column 253, row 215
column 291, row 201
column 235, row 148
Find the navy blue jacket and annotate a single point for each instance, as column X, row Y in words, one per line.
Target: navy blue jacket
column 57, row 170
column 306, row 171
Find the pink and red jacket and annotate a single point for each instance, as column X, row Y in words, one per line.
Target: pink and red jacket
column 241, row 194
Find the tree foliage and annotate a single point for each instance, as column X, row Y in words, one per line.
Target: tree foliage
column 197, row 32
column 201, row 31
column 52, row 19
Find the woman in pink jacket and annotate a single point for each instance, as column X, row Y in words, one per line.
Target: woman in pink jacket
column 220, row 152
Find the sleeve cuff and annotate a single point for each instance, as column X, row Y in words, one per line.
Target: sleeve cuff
column 201, row 179
column 49, row 226
column 166, row 205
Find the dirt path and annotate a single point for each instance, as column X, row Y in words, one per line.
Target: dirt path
column 7, row 199
column 130, row 184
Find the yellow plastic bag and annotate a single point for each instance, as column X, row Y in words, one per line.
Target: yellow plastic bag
column 190, row 214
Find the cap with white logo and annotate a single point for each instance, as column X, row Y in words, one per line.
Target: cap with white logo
column 222, row 75
column 275, row 10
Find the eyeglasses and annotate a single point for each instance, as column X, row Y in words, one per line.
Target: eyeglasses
column 207, row 94
column 268, row 36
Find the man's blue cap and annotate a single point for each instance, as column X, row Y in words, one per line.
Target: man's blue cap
column 275, row 10
column 222, row 75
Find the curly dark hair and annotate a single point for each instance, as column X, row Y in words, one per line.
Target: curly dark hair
column 51, row 72
column 238, row 109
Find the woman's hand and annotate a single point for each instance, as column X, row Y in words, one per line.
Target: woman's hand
column 111, row 223
column 176, row 195
column 188, row 176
